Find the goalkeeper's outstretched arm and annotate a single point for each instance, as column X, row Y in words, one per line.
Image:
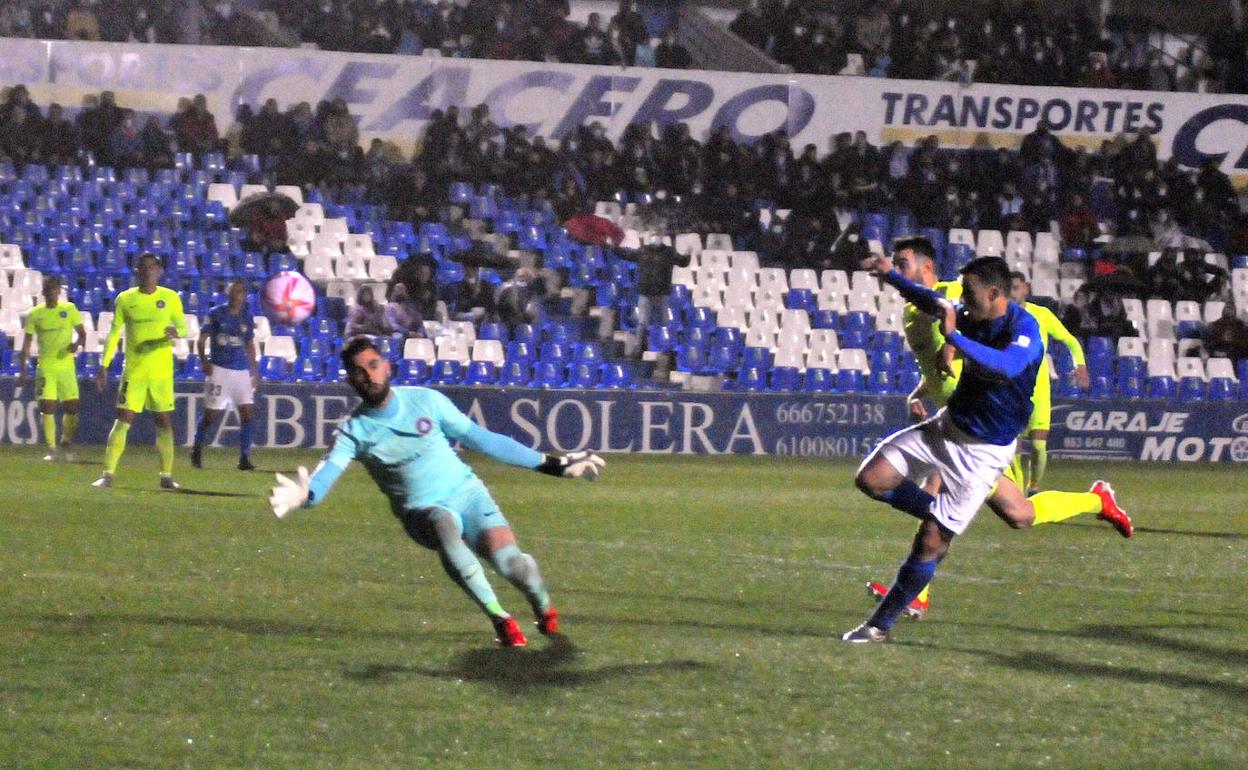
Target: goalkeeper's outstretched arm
column 586, row 465
column 306, row 490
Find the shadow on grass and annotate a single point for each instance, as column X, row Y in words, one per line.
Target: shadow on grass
column 763, row 629
column 516, row 671
column 702, row 601
column 1137, row 636
column 251, row 626
column 1163, row 531
column 211, row 493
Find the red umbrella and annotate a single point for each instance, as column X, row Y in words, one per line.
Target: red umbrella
column 588, row 228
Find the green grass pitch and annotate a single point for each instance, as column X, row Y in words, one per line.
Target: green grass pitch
column 701, row 597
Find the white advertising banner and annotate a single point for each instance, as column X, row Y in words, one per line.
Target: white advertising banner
column 393, row 96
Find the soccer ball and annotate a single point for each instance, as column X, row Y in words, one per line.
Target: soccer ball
column 289, row 298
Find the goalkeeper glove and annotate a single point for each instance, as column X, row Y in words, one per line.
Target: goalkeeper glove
column 574, row 465
column 289, row 494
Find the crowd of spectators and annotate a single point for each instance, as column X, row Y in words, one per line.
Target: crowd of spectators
column 710, row 184
column 534, row 30
column 1007, row 43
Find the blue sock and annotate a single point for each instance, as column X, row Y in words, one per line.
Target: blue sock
column 244, row 439
column 911, row 579
column 201, row 434
column 910, row 498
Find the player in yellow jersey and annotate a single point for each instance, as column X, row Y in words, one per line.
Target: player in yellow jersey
column 915, row 259
column 1042, row 404
column 58, row 328
column 152, row 318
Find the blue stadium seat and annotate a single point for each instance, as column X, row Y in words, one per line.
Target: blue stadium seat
column 525, row 333
column 274, row 369
column 690, row 358
column 1191, row 389
column 800, row 299
column 660, row 338
column 818, row 380
column 1222, row 389
column 750, row 379
column 583, row 374
column 481, row 373
column 447, row 372
column 907, row 380
column 759, row 358
column 309, row 369
column 1101, row 387
column 1129, row 386
column 89, row 365
column 554, row 351
column 547, row 374
column 823, row 319
column 722, row 357
column 880, row 381
column 849, row 381
column 1160, row 387
column 515, row 373
column 891, row 342
column 785, row 378
column 616, row 376
column 1130, row 366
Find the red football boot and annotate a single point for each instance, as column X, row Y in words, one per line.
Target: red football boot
column 917, row 609
column 1109, row 509
column 548, row 623
column 509, row 633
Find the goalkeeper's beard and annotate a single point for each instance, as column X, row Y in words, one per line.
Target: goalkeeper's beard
column 375, row 394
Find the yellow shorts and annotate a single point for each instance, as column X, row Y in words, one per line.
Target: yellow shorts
column 56, row 383
column 1041, row 402
column 139, row 393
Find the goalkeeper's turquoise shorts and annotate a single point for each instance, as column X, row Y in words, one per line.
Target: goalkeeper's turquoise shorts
column 470, row 504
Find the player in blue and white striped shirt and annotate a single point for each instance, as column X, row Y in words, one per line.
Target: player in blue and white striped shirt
column 968, row 443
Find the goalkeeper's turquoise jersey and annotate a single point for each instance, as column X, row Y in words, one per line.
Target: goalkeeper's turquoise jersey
column 405, row 446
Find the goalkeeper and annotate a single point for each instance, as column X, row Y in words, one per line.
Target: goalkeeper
column 403, row 439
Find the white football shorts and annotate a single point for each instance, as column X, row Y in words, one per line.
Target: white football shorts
column 228, row 387
column 968, row 467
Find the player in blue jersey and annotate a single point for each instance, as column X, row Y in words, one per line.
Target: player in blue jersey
column 231, row 371
column 969, row 442
column 403, row 437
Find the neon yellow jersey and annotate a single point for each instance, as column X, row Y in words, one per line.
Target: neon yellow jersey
column 53, row 328
column 1051, row 327
column 149, row 353
column 923, row 332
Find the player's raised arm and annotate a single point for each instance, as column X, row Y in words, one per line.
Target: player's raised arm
column 457, row 425
column 307, row 490
column 920, row 296
column 1024, row 348
column 1052, row 326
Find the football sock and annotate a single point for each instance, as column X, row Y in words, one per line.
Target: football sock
column 462, row 566
column 69, row 427
column 164, row 446
column 49, row 431
column 521, row 571
column 244, row 439
column 912, row 578
column 116, row 446
column 201, row 434
column 910, row 498
column 1039, row 462
column 1056, row 506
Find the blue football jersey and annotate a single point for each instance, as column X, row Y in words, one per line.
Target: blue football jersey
column 229, row 335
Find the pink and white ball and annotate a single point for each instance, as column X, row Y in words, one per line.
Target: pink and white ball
column 289, row 298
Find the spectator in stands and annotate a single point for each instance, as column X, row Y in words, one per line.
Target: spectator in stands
column 266, row 229
column 19, row 101
column 58, row 139
column 418, row 277
column 268, row 132
column 471, row 298
column 671, row 54
column 81, row 22
column 1200, row 280
column 194, row 126
column 516, row 297
column 1078, row 316
column 367, row 316
column 157, row 145
column 632, row 28
column 125, row 147
column 1078, row 225
column 750, row 26
column 1227, row 336
column 1111, row 317
column 402, row 315
column 655, row 261
column 19, row 137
